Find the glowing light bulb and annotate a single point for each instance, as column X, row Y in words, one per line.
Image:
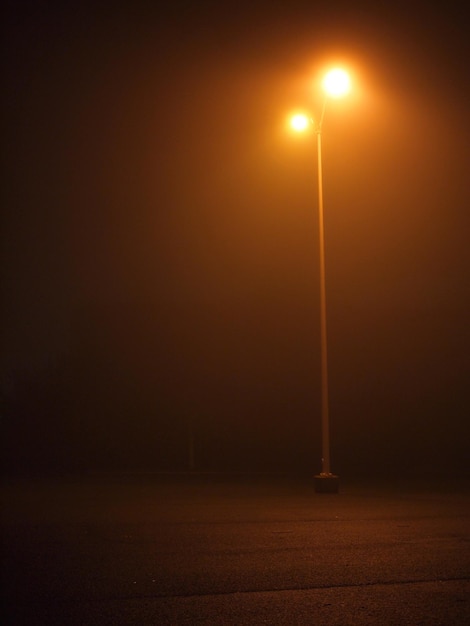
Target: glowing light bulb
column 299, row 122
column 337, row 83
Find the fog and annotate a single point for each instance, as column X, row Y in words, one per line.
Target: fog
column 160, row 243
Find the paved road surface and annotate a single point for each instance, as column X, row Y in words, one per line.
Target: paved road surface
column 205, row 550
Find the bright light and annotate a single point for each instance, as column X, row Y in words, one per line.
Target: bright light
column 299, row 122
column 337, row 83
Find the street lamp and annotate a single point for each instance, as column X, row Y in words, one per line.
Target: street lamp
column 336, row 83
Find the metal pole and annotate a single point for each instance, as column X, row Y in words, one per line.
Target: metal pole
column 323, row 334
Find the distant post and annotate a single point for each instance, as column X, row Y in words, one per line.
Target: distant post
column 191, row 462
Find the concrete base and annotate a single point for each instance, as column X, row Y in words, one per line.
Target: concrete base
column 326, row 483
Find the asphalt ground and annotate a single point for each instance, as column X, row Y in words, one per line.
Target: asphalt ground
column 154, row 549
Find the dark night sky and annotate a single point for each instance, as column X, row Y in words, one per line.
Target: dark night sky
column 159, row 238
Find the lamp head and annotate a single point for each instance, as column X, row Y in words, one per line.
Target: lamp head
column 336, row 83
column 299, row 122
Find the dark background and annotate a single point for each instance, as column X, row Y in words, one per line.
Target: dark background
column 159, row 237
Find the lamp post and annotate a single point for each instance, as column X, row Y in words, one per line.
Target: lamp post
column 335, row 84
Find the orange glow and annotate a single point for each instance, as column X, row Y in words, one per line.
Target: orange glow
column 299, row 122
column 337, row 83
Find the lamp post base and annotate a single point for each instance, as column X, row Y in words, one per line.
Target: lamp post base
column 326, row 483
